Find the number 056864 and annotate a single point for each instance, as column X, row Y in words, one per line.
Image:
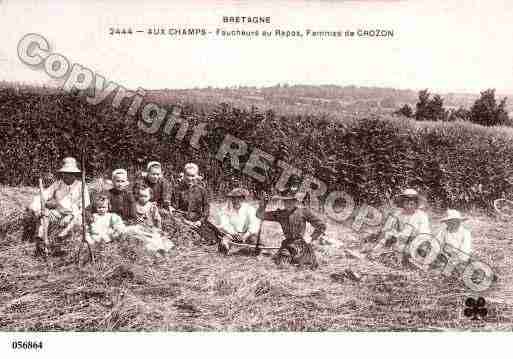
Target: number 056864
column 26, row 345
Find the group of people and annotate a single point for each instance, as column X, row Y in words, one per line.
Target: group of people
column 152, row 198
column 142, row 204
column 411, row 220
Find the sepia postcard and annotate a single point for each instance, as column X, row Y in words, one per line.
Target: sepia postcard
column 254, row 170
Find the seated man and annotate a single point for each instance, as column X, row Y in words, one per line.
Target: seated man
column 238, row 219
column 455, row 240
column 406, row 224
column 190, row 197
column 121, row 197
column 161, row 188
column 293, row 219
column 63, row 202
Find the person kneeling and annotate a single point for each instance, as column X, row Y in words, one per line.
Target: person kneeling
column 293, row 219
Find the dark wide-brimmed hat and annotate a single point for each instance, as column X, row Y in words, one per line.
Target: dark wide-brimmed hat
column 409, row 194
column 238, row 192
column 289, row 194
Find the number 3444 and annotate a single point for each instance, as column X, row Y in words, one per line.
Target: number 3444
column 27, row 345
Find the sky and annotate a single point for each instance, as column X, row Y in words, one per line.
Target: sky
column 446, row 46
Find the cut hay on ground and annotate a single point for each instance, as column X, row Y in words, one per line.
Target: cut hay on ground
column 195, row 288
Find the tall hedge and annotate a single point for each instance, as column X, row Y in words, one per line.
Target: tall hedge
column 454, row 164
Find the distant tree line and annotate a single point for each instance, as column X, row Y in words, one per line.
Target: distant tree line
column 485, row 111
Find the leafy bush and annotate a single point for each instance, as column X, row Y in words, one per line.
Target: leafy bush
column 454, row 163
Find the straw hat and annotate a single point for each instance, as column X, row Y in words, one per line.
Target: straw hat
column 69, row 165
column 453, row 214
column 238, row 192
column 410, row 193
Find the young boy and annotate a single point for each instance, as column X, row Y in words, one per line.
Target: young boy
column 104, row 225
column 191, row 197
column 293, row 219
column 120, row 196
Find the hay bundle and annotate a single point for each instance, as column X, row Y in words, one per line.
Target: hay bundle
column 153, row 239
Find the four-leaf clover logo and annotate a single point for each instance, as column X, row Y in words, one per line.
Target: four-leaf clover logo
column 475, row 308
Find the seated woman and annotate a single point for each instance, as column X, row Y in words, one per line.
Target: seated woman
column 238, row 219
column 455, row 240
column 120, row 196
column 103, row 225
column 161, row 188
column 63, row 205
column 190, row 197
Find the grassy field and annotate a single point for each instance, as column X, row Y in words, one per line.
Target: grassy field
column 195, row 288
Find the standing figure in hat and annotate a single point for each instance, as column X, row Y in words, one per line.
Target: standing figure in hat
column 121, row 198
column 190, row 197
column 455, row 240
column 161, row 188
column 238, row 219
column 293, row 219
column 63, row 201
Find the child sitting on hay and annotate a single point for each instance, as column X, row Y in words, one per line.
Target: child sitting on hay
column 104, row 225
column 145, row 220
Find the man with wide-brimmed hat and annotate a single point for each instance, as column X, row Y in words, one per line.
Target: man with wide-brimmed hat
column 238, row 218
column 293, row 219
column 411, row 220
column 63, row 203
column 455, row 240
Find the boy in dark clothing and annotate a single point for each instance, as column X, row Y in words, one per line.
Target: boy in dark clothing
column 162, row 190
column 293, row 219
column 191, row 198
column 120, row 196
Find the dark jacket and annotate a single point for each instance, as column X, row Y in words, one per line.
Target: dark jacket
column 293, row 223
column 162, row 192
column 121, row 202
column 193, row 201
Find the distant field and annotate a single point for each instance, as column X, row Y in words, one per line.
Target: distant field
column 195, row 288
